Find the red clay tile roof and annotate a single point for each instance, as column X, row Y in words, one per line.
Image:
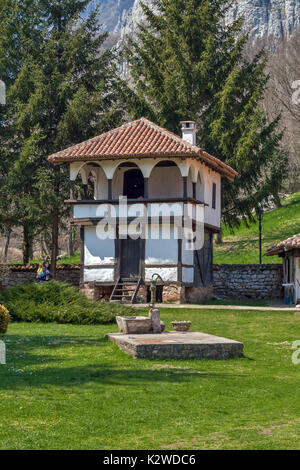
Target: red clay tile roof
column 287, row 245
column 140, row 138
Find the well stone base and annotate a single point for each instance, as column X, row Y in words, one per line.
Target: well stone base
column 141, row 297
column 100, row 293
column 173, row 293
column 175, row 345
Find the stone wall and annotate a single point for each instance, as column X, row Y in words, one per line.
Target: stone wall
column 240, row 281
column 248, row 281
column 19, row 274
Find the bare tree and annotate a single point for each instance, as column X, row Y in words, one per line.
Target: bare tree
column 283, row 97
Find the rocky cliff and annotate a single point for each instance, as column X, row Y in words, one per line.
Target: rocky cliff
column 273, row 19
column 263, row 18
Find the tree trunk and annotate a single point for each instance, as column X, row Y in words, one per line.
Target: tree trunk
column 54, row 248
column 55, row 225
column 71, row 242
column 277, row 200
column 7, row 245
column 26, row 244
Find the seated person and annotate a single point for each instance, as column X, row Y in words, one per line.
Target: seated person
column 44, row 272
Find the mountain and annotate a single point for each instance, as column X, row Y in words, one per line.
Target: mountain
column 112, row 13
column 264, row 19
column 273, row 19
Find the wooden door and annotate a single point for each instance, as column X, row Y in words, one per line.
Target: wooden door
column 130, row 257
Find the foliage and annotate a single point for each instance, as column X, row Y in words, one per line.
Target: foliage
column 187, row 64
column 61, row 90
column 21, row 27
column 58, row 302
column 68, row 387
column 4, row 319
column 241, row 245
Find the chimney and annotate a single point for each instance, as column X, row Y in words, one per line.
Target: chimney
column 189, row 131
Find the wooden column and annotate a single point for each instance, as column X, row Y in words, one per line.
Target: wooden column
column 194, row 190
column 81, row 255
column 146, row 192
column 184, row 179
column 109, row 189
column 179, row 262
column 72, row 189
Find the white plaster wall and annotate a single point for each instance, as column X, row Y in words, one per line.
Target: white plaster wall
column 87, row 211
column 212, row 216
column 167, row 274
column 118, row 182
column 205, row 179
column 133, row 210
column 100, row 275
column 165, row 209
column 188, row 274
column 74, row 169
column 165, row 182
column 190, row 184
column 200, row 187
column 159, row 250
column 97, row 251
column 101, row 185
column 187, row 256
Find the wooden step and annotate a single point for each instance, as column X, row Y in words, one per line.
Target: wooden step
column 125, row 290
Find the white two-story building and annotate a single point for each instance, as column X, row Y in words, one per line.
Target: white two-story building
column 150, row 202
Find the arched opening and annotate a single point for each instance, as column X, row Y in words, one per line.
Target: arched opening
column 128, row 180
column 90, row 182
column 78, row 187
column 90, row 190
column 88, row 174
column 84, row 184
column 165, row 181
column 133, row 186
column 101, row 187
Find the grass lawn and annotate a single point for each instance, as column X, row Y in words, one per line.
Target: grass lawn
column 67, row 387
column 241, row 247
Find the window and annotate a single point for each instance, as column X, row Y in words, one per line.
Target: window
column 214, row 194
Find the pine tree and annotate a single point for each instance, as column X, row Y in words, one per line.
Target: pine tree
column 186, row 64
column 20, row 34
column 61, row 95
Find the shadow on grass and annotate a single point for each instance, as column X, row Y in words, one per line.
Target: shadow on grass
column 23, row 352
column 106, row 374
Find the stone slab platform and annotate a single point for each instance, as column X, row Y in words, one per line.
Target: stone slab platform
column 177, row 345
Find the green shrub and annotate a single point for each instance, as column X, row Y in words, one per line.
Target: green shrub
column 58, row 302
column 4, row 319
